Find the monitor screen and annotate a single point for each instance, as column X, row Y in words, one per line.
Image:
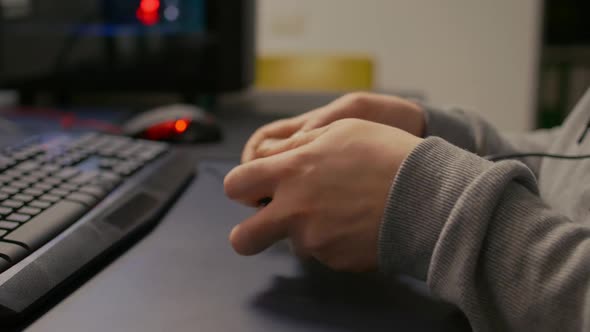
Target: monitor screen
column 126, row 44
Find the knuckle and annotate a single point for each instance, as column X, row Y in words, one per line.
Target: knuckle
column 262, row 131
column 299, row 161
column 288, row 171
column 358, row 98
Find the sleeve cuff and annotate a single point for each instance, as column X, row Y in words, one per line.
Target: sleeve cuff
column 450, row 125
column 424, row 192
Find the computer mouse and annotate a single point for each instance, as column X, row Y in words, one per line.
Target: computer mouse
column 174, row 123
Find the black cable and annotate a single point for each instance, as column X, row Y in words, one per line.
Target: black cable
column 499, row 157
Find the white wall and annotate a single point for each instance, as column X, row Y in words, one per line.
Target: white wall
column 479, row 54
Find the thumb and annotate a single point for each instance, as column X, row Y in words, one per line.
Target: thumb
column 298, row 139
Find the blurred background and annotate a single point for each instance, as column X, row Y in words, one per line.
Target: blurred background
column 522, row 64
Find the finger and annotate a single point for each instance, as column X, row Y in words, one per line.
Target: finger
column 260, row 231
column 256, row 180
column 327, row 114
column 278, row 129
column 295, row 141
column 319, row 120
column 270, row 141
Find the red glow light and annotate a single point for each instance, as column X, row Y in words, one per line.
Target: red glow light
column 148, row 12
column 181, row 125
column 149, row 6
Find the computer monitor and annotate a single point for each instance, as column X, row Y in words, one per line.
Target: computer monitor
column 182, row 46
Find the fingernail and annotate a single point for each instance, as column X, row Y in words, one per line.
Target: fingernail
column 233, row 231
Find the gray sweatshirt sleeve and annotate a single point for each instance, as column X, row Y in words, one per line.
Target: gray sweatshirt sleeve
column 471, row 132
column 481, row 237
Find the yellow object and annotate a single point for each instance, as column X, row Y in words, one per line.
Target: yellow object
column 314, row 73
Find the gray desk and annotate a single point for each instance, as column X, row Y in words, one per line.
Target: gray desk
column 183, row 276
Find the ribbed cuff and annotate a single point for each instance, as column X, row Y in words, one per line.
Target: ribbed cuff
column 425, row 190
column 450, row 125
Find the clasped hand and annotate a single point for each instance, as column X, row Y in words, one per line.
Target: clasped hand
column 328, row 181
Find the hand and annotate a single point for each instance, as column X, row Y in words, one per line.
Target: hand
column 387, row 110
column 328, row 187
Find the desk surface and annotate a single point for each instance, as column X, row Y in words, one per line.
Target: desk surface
column 184, row 276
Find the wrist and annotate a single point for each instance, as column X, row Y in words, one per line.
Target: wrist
column 420, row 118
column 408, row 116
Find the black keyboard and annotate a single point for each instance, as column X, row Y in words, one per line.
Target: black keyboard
column 50, row 183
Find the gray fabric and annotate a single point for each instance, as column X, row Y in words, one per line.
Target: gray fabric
column 511, row 252
column 469, row 131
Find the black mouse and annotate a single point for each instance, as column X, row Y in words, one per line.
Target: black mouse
column 174, row 123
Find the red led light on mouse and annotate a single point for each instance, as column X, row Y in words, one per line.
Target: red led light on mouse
column 181, row 125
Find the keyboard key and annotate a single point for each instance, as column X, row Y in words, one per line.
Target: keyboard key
column 95, row 191
column 23, row 198
column 9, row 190
column 13, row 173
column 18, row 217
column 13, row 251
column 43, row 186
column 12, row 204
column 18, row 184
column 107, row 180
column 39, row 174
column 59, row 192
column 33, row 192
column 108, row 163
column 41, row 159
column 40, row 204
column 28, row 166
column 108, row 152
column 77, row 157
column 64, row 161
column 52, row 181
column 110, row 176
column 49, row 198
column 8, row 224
column 3, row 196
column 84, row 178
column 5, row 178
column 31, row 211
column 67, row 173
column 68, row 186
column 31, row 178
column 82, row 198
column 5, row 211
column 146, row 156
column 50, row 168
column 3, row 232
column 46, row 225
